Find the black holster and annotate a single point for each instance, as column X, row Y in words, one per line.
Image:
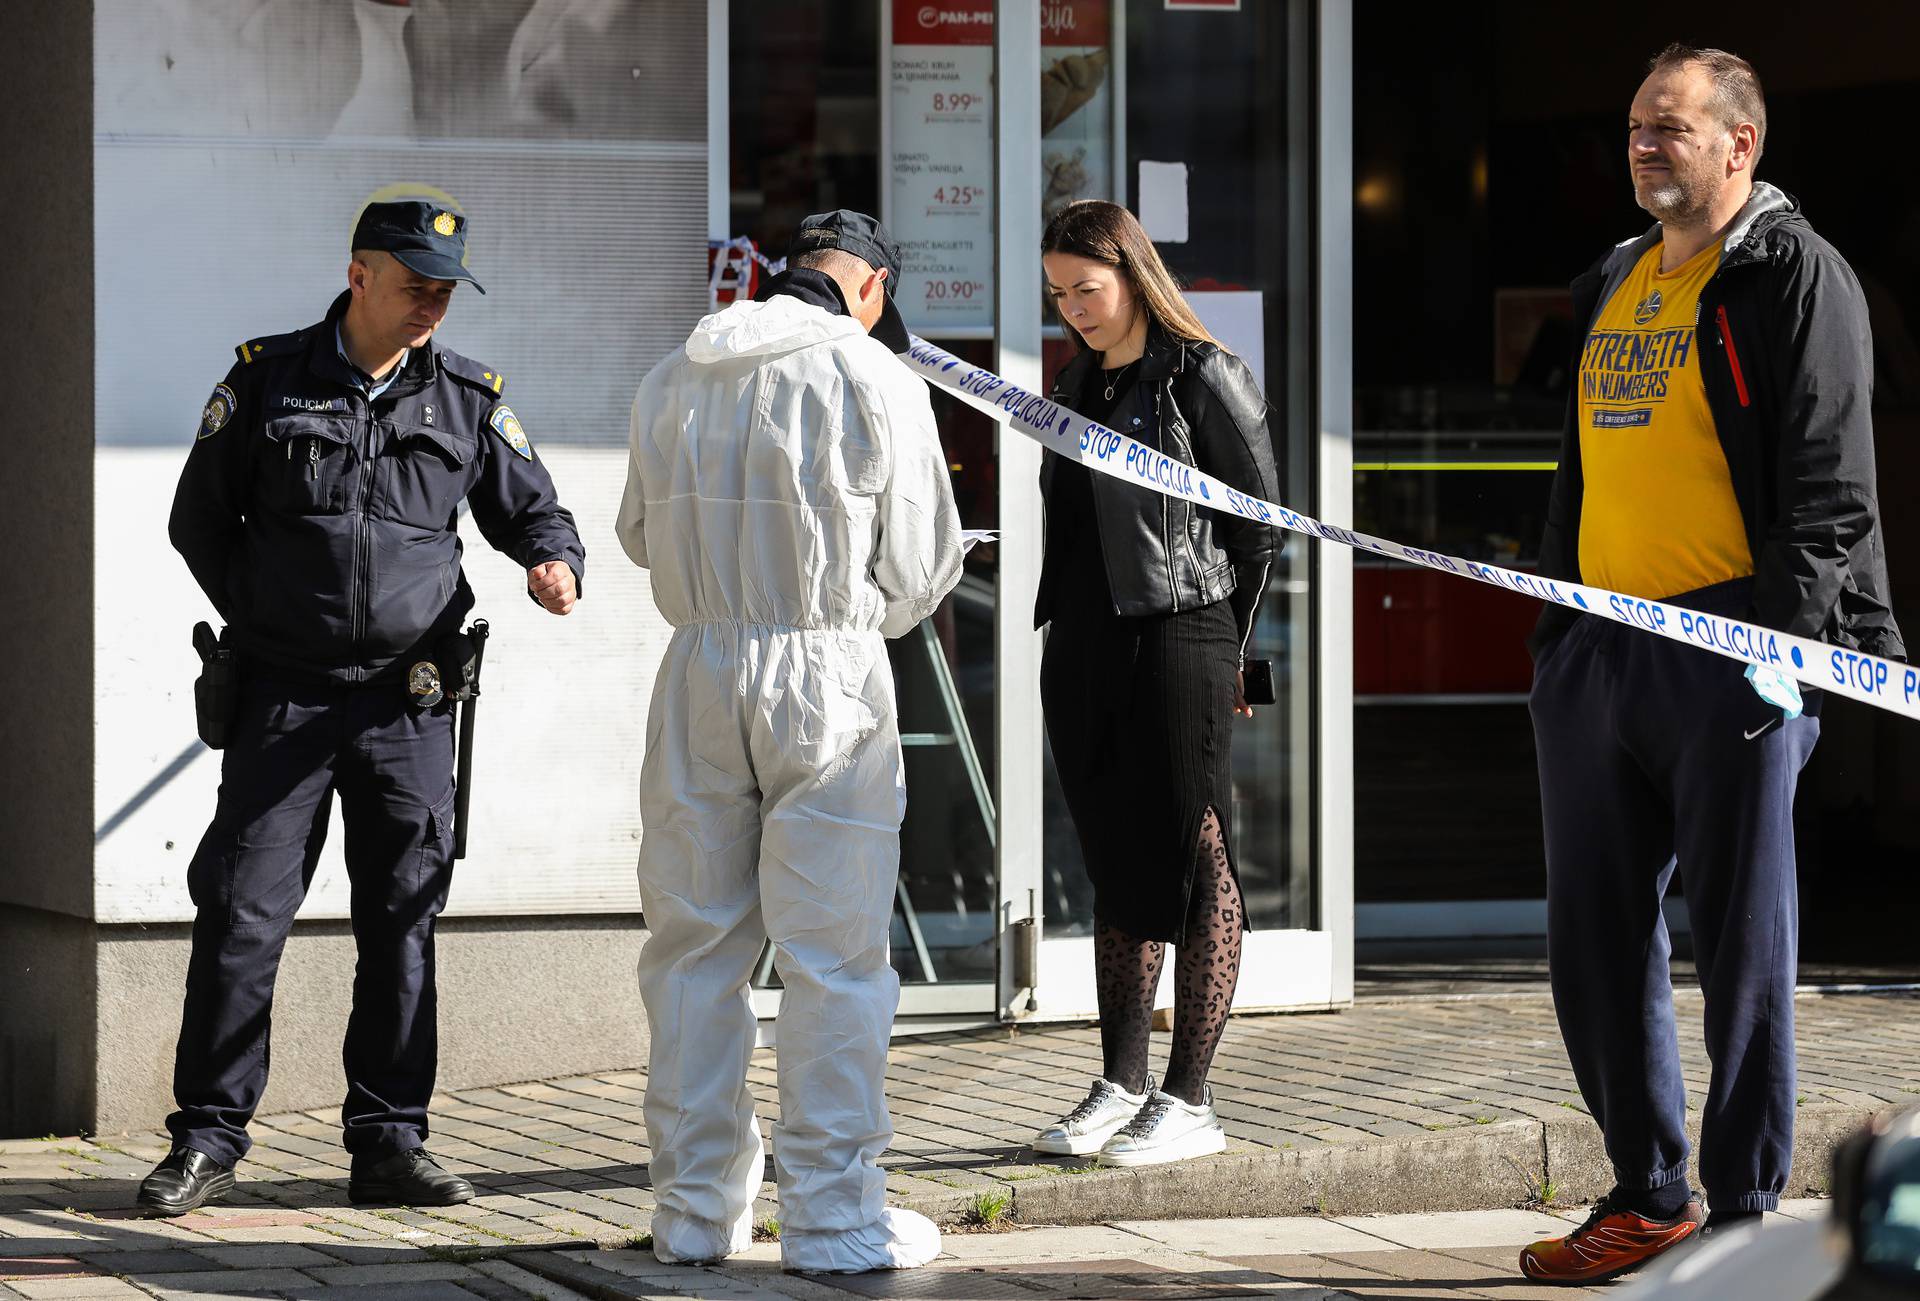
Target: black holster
column 216, row 691
column 458, row 657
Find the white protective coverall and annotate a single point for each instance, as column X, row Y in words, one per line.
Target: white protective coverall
column 788, row 491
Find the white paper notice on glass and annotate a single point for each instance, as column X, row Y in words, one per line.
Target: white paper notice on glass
column 1237, row 318
column 1163, row 201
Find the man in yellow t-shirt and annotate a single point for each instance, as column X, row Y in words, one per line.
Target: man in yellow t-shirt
column 1719, row 457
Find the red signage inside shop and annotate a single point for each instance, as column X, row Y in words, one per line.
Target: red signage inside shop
column 1062, row 22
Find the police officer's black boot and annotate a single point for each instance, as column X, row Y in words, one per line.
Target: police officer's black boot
column 410, row 1178
column 185, row 1181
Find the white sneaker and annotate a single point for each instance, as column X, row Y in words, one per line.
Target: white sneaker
column 1166, row 1129
column 1088, row 1126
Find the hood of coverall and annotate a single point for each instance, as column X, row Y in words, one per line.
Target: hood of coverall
column 773, row 328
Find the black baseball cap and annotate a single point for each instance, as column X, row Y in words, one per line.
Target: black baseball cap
column 427, row 238
column 865, row 238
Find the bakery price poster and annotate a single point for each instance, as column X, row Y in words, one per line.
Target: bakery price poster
column 940, row 166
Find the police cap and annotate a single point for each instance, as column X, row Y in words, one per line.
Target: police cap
column 427, row 238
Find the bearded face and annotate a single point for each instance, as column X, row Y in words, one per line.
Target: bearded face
column 1687, row 187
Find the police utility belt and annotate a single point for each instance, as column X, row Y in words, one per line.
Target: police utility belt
column 451, row 673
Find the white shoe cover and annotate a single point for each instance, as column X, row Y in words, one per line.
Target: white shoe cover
column 681, row 1239
column 899, row 1239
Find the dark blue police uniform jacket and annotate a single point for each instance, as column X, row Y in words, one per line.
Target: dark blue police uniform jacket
column 321, row 523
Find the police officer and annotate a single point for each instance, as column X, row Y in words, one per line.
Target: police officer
column 317, row 512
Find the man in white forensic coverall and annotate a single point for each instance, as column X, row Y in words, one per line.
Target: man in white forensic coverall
column 788, row 492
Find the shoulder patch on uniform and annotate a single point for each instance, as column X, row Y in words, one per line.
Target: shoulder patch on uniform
column 471, row 371
column 270, row 345
column 507, row 425
column 219, row 410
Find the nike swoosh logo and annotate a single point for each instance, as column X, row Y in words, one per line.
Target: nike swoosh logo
column 1764, row 727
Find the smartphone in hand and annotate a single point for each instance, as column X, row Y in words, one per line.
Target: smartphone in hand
column 1256, row 682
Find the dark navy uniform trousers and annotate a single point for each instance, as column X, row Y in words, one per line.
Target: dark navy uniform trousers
column 293, row 746
column 1645, row 762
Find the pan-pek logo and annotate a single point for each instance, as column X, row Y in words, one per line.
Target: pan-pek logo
column 1057, row 17
column 937, row 16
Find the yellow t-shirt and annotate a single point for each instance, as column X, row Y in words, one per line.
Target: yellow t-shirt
column 1659, row 516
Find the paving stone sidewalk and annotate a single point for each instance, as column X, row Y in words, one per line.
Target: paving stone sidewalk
column 1468, row 1254
column 1395, row 1107
column 1471, row 1254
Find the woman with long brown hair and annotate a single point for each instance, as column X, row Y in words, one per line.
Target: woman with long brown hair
column 1150, row 601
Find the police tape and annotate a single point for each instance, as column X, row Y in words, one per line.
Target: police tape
column 1883, row 683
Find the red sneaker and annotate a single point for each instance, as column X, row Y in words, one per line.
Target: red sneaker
column 1611, row 1242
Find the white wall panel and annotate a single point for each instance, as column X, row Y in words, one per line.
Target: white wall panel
column 556, row 821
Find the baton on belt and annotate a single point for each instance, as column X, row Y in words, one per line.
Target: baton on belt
column 463, row 764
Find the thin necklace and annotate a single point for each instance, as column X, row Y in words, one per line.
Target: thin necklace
column 1113, row 377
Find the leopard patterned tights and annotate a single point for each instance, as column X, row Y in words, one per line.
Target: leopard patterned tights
column 1206, row 969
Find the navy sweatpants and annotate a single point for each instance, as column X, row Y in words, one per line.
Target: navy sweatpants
column 293, row 746
column 1645, row 764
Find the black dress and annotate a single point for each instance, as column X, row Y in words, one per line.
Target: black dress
column 1139, row 715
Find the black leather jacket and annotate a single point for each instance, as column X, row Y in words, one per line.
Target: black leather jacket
column 1200, row 405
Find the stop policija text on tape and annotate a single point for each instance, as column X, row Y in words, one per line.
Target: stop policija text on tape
column 1883, row 683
